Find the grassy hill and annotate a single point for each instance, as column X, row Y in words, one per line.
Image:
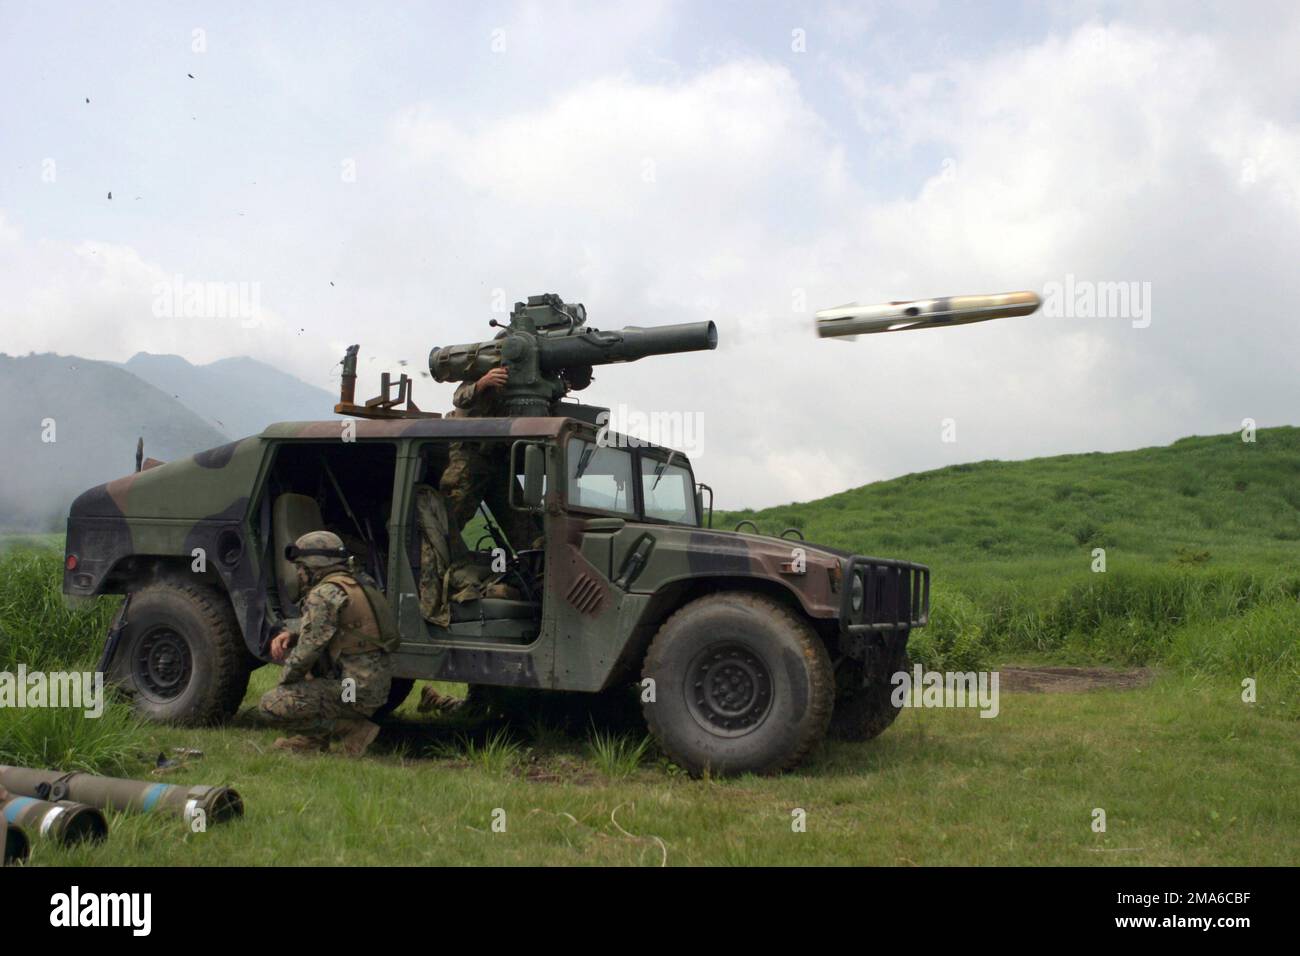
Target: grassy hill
column 1201, row 542
column 1214, row 501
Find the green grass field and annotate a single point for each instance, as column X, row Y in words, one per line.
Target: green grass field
column 1185, row 772
column 1202, row 582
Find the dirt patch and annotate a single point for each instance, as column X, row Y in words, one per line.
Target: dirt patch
column 559, row 768
column 1072, row 680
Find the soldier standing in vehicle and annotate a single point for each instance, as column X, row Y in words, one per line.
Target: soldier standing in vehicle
column 478, row 471
column 336, row 657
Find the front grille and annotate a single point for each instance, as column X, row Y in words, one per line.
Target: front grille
column 895, row 595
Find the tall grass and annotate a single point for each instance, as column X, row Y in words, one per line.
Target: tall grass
column 497, row 752
column 616, row 755
column 37, row 628
column 65, row 739
column 40, row 632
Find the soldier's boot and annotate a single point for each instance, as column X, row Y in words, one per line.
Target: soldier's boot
column 432, row 700
column 303, row 743
column 356, row 736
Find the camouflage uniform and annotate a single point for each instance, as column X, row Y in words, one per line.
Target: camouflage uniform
column 448, row 572
column 480, row 471
column 435, row 554
column 310, row 695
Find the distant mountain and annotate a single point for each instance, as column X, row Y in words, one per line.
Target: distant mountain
column 239, row 396
column 94, row 411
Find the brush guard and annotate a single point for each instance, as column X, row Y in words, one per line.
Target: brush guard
column 895, row 596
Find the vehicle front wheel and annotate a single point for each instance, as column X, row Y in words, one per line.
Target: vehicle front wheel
column 742, row 684
column 864, row 706
column 181, row 655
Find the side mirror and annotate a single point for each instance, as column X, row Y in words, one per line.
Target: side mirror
column 700, row 489
column 534, row 476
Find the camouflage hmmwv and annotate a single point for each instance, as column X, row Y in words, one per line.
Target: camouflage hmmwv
column 850, row 320
column 63, row 821
column 126, row 796
column 759, row 645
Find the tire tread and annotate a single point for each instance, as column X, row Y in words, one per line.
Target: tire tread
column 821, row 674
column 221, row 629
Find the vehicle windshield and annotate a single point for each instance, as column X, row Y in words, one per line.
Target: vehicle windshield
column 600, row 476
column 667, row 490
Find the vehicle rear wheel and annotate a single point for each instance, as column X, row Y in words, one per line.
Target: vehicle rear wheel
column 742, row 685
column 182, row 655
column 863, row 705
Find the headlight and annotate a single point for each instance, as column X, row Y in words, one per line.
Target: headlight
column 857, row 593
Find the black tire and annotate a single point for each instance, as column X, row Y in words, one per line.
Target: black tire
column 864, row 710
column 182, row 656
column 398, row 691
column 742, row 685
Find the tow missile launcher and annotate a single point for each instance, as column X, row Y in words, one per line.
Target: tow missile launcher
column 548, row 351
column 848, row 321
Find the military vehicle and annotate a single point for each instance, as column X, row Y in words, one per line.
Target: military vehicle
column 746, row 648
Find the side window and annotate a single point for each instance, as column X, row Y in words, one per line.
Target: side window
column 667, row 491
column 599, row 476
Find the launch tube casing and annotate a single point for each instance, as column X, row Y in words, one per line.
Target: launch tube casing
column 14, row 846
column 64, row 821
column 594, row 347
column 127, row 796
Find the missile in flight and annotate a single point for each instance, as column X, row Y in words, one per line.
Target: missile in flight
column 853, row 320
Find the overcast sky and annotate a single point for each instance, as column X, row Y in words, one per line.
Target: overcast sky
column 387, row 175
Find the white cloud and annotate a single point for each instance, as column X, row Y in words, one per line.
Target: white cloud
column 616, row 148
column 101, row 300
column 1082, row 154
column 1122, row 151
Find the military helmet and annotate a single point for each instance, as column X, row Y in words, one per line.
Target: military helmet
column 317, row 549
